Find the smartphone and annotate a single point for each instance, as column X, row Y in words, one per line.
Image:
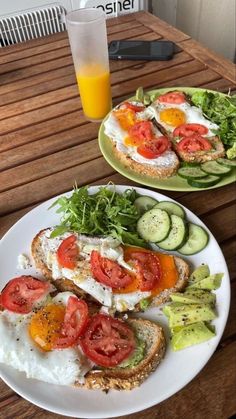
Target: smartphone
column 141, row 50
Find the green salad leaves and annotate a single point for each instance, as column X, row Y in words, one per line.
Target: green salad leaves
column 221, row 110
column 105, row 213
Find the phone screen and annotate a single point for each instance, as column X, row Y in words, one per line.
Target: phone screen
column 141, row 49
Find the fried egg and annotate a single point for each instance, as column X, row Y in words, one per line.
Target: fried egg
column 116, row 128
column 22, row 338
column 170, row 116
column 81, row 276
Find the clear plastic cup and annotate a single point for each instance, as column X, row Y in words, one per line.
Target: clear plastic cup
column 88, row 42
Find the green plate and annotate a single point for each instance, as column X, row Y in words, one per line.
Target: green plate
column 174, row 183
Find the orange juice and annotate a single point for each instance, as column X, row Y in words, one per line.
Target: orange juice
column 95, row 91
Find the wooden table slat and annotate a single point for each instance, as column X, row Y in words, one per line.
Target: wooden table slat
column 218, row 63
column 161, row 27
column 46, row 144
column 65, row 87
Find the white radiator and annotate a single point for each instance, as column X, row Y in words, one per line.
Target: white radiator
column 45, row 20
column 31, row 24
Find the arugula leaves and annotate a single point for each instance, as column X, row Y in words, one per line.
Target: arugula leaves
column 221, row 110
column 104, row 213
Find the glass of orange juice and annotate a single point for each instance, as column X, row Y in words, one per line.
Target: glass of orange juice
column 88, row 42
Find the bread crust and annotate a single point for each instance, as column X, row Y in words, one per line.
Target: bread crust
column 159, row 172
column 64, row 284
column 203, row 156
column 129, row 378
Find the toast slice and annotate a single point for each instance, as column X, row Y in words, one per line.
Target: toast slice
column 65, row 284
column 203, row 156
column 128, row 378
column 167, row 164
column 160, row 167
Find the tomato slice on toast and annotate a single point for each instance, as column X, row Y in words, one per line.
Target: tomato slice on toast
column 20, row 294
column 107, row 341
column 108, row 272
column 75, row 322
column 193, row 144
column 67, row 252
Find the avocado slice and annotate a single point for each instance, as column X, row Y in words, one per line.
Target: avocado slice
column 167, row 309
column 190, row 335
column 211, row 282
column 200, row 273
column 192, row 296
column 185, row 314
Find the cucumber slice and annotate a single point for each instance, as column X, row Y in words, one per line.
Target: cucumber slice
column 154, row 225
column 197, row 240
column 144, row 203
column 171, row 208
column 177, row 235
column 226, row 162
column 214, row 168
column 205, row 182
column 191, row 172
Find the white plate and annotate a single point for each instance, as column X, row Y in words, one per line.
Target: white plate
column 176, row 370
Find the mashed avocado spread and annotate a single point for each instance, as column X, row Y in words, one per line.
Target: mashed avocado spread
column 136, row 357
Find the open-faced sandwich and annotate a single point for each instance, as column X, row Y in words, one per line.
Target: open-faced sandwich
column 54, row 337
column 171, row 134
column 119, row 277
column 192, row 134
column 139, row 143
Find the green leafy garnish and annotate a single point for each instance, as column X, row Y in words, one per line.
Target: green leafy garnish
column 221, row 110
column 105, row 213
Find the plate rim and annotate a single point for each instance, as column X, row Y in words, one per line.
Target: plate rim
column 149, row 181
column 109, row 414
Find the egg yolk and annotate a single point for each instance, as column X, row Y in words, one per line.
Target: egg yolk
column 126, row 118
column 132, row 141
column 168, row 278
column 173, row 117
column 46, row 324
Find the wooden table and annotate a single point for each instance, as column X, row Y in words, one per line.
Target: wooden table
column 46, row 144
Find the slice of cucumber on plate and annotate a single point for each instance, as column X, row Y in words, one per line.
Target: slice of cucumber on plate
column 169, row 231
column 214, row 168
column 197, row 240
column 145, row 203
column 205, row 182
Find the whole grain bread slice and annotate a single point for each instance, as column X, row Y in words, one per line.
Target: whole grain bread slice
column 203, row 156
column 64, row 284
column 157, row 171
column 129, row 377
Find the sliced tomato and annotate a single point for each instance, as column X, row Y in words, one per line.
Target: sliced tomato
column 141, row 130
column 107, row 341
column 193, row 144
column 67, row 252
column 147, row 265
column 20, row 294
column 108, row 272
column 154, row 148
column 172, row 97
column 75, row 322
column 135, row 108
column 187, row 130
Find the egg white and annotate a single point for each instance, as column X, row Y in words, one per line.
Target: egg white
column 193, row 115
column 117, row 134
column 17, row 350
column 82, row 275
